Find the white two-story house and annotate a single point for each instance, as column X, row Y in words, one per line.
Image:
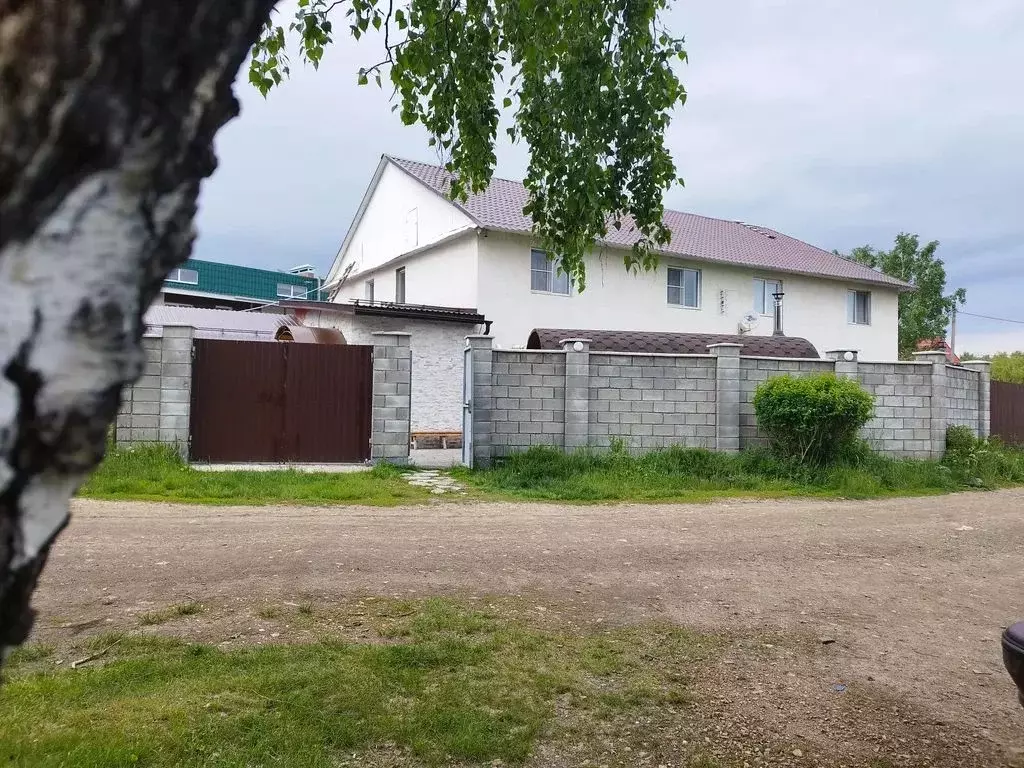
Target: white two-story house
column 410, row 244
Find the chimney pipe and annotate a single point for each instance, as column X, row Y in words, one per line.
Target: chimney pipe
column 778, row 314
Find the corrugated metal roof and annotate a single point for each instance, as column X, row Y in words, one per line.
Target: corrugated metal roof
column 500, row 207
column 236, row 280
column 672, row 343
column 218, row 323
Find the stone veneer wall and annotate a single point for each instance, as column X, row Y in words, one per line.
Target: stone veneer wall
column 576, row 398
column 652, row 401
column 529, row 400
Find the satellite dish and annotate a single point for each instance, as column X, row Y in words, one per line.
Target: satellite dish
column 748, row 322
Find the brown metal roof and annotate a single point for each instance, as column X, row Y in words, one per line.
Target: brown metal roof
column 302, row 334
column 673, row 343
column 500, row 208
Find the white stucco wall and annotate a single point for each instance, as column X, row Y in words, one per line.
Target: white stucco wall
column 389, row 228
column 437, row 360
column 446, row 276
column 815, row 309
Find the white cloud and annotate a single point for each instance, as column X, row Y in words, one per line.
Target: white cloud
column 841, row 123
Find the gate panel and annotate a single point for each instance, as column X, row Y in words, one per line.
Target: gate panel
column 329, row 389
column 1007, row 403
column 237, row 400
column 279, row 401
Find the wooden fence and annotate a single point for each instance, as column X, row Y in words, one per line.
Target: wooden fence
column 1008, row 412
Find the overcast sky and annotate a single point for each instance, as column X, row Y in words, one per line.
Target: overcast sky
column 839, row 123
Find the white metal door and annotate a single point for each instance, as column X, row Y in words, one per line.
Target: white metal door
column 467, row 408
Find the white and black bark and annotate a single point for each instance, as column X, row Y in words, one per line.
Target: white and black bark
column 108, row 109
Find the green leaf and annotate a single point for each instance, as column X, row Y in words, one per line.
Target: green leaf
column 593, row 86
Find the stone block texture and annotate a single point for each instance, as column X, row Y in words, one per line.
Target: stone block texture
column 962, row 397
column 391, row 407
column 903, row 407
column 156, row 408
column 528, row 400
column 650, row 401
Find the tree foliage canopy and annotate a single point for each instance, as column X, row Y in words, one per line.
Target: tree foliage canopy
column 925, row 312
column 591, row 82
column 1006, row 366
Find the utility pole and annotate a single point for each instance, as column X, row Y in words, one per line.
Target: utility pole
column 952, row 331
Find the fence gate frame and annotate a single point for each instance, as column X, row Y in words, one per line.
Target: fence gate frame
column 467, row 408
column 277, row 402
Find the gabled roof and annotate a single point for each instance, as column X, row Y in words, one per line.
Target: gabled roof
column 500, row 208
column 648, row 342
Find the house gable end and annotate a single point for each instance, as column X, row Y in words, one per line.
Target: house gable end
column 398, row 214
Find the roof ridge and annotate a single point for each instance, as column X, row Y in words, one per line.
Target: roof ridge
column 718, row 240
column 397, row 159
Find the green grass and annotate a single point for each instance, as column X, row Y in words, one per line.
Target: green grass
column 453, row 684
column 157, row 473
column 674, row 474
column 151, row 618
column 680, row 474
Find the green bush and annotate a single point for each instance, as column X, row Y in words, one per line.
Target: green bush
column 813, row 419
column 961, row 438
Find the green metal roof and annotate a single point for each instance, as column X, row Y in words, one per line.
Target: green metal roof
column 242, row 282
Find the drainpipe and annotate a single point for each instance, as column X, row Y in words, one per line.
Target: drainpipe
column 778, row 314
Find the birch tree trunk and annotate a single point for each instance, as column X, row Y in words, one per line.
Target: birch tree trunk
column 108, row 109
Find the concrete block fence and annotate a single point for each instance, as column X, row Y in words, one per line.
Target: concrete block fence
column 575, row 398
column 392, row 397
column 156, row 408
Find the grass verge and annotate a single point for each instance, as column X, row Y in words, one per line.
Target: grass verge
column 158, row 473
column 454, row 684
column 680, row 474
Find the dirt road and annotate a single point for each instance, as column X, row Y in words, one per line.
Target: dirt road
column 914, row 593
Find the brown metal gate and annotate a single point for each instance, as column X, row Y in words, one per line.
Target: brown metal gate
column 264, row 401
column 1008, row 412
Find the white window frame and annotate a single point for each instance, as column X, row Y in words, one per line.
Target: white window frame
column 851, row 307
column 368, row 290
column 681, row 287
column 183, row 275
column 550, row 274
column 292, row 291
column 761, row 284
column 400, row 285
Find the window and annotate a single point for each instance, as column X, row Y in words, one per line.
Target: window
column 368, row 290
column 400, row 285
column 290, row 291
column 858, row 307
column 545, row 275
column 181, row 275
column 684, row 287
column 764, row 301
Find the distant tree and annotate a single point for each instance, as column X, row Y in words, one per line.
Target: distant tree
column 925, row 312
column 1006, row 366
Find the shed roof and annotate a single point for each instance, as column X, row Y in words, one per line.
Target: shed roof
column 219, row 323
column 673, row 343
